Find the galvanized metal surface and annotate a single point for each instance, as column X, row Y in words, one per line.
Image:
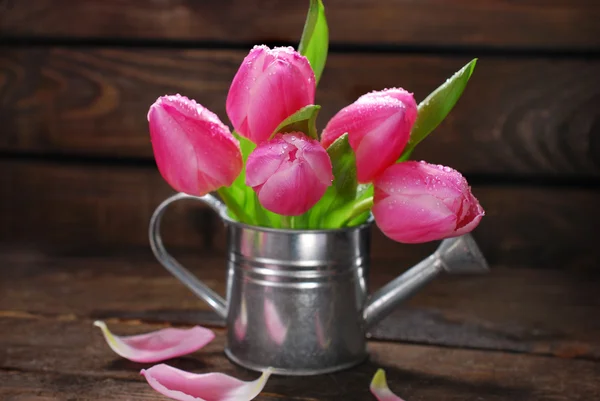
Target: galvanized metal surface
column 297, row 300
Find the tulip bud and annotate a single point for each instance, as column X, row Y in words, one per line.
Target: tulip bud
column 194, row 151
column 270, row 86
column 378, row 126
column 289, row 173
column 418, row 202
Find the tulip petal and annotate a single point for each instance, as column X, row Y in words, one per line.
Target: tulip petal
column 158, row 345
column 380, row 148
column 194, row 151
column 270, row 85
column 239, row 98
column 412, row 219
column 284, row 193
column 415, row 178
column 472, row 218
column 346, row 120
column 419, row 202
column 312, row 153
column 378, row 126
column 272, row 99
column 265, row 161
column 379, row 388
column 289, row 173
column 184, row 386
column 287, row 193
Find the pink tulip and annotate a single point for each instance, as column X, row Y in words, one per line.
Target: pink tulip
column 419, row 202
column 270, row 86
column 194, row 151
column 378, row 126
column 289, row 173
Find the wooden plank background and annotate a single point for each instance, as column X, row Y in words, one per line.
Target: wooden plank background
column 566, row 24
column 534, row 116
column 77, row 78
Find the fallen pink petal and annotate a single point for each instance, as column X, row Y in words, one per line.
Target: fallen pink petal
column 379, row 388
column 185, row 386
column 158, row 345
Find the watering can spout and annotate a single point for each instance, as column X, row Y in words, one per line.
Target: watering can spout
column 454, row 255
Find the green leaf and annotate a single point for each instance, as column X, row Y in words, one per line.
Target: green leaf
column 345, row 216
column 238, row 192
column 264, row 217
column 434, row 109
column 304, row 120
column 315, row 38
column 364, row 192
column 343, row 188
column 302, row 222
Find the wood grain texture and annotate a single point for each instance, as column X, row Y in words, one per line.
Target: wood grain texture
column 567, row 24
column 71, row 208
column 543, row 312
column 415, row 372
column 91, row 208
column 522, row 116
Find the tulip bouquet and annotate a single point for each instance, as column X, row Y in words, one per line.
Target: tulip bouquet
column 277, row 170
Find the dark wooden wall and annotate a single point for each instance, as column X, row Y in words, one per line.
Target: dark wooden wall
column 77, row 77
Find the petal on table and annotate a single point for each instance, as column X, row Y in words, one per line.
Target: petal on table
column 157, row 345
column 380, row 389
column 185, row 386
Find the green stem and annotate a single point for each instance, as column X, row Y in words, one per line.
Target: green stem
column 406, row 154
column 239, row 213
column 287, row 221
column 359, row 208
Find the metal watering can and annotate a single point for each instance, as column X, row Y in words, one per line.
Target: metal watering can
column 297, row 300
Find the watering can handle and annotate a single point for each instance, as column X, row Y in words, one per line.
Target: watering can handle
column 181, row 273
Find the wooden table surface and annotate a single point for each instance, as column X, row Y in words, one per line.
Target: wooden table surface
column 515, row 334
